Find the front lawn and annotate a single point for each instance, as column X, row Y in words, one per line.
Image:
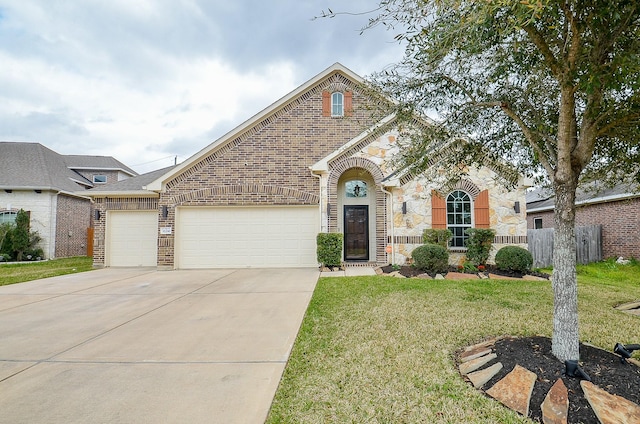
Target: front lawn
column 382, row 350
column 27, row 271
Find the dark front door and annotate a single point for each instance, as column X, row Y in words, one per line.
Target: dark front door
column 356, row 233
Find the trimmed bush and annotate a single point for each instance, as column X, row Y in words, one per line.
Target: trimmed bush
column 514, row 258
column 479, row 245
column 329, row 249
column 431, row 258
column 437, row 236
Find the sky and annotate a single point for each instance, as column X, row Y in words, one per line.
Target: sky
column 149, row 81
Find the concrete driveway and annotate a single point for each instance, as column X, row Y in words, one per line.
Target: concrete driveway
column 146, row 346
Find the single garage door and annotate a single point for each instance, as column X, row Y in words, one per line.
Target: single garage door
column 230, row 237
column 132, row 238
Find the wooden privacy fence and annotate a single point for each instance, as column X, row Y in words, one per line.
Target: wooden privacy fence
column 588, row 245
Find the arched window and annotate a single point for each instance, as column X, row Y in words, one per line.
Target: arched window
column 355, row 188
column 458, row 216
column 8, row 216
column 337, row 104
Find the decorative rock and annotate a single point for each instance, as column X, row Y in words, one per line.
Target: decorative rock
column 533, row 278
column 468, row 356
column 514, row 390
column 502, row 277
column 439, row 277
column 483, row 276
column 555, row 408
column 480, row 378
column 478, row 347
column 379, row 271
column 474, row 364
column 610, row 408
column 460, row 276
column 424, row 276
column 627, row 306
column 396, row 274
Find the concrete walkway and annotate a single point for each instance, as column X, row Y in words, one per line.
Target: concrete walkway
column 142, row 346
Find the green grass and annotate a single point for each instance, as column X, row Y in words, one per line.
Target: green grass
column 19, row 273
column 382, row 350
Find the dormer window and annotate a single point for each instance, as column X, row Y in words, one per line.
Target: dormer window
column 337, row 104
column 99, row 179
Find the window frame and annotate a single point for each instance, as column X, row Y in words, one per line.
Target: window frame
column 459, row 237
column 337, row 104
column 535, row 223
column 99, row 182
column 5, row 213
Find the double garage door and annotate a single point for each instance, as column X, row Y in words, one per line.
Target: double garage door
column 230, row 237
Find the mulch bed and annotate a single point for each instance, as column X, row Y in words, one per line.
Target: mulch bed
column 605, row 369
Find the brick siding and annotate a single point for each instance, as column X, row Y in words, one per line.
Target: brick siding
column 620, row 225
column 73, row 217
column 269, row 163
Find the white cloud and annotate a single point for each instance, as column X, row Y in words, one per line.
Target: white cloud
column 152, row 79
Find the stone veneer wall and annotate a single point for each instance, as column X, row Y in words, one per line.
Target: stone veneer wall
column 620, row 222
column 72, row 221
column 511, row 228
column 269, row 163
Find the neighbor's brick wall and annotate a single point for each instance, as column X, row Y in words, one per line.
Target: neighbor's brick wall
column 73, row 217
column 269, row 163
column 620, row 225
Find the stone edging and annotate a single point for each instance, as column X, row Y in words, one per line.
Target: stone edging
column 515, row 389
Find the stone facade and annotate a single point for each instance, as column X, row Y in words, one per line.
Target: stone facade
column 620, row 222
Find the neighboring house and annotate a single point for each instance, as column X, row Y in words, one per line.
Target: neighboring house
column 616, row 209
column 314, row 161
column 50, row 186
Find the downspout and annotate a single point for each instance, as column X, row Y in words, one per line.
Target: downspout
column 393, row 247
column 322, row 228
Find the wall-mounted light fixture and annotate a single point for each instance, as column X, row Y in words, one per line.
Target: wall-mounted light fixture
column 404, row 208
column 8, row 190
column 38, row 191
column 165, row 211
column 516, row 207
column 96, row 214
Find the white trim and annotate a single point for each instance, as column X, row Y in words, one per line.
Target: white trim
column 323, row 164
column 595, row 200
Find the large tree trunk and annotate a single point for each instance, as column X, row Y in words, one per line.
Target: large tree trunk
column 566, row 338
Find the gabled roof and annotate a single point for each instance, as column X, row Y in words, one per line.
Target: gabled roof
column 158, row 184
column 543, row 199
column 130, row 186
column 102, row 163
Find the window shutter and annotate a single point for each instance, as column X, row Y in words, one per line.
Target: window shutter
column 348, row 103
column 481, row 210
column 438, row 211
column 326, row 103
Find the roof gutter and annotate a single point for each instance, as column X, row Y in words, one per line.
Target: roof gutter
column 596, row 200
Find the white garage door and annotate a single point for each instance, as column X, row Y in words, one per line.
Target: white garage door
column 246, row 237
column 132, row 238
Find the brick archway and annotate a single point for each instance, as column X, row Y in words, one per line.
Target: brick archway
column 337, row 169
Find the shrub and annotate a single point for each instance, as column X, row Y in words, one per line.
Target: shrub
column 440, row 237
column 479, row 245
column 431, row 258
column 514, row 258
column 329, row 249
